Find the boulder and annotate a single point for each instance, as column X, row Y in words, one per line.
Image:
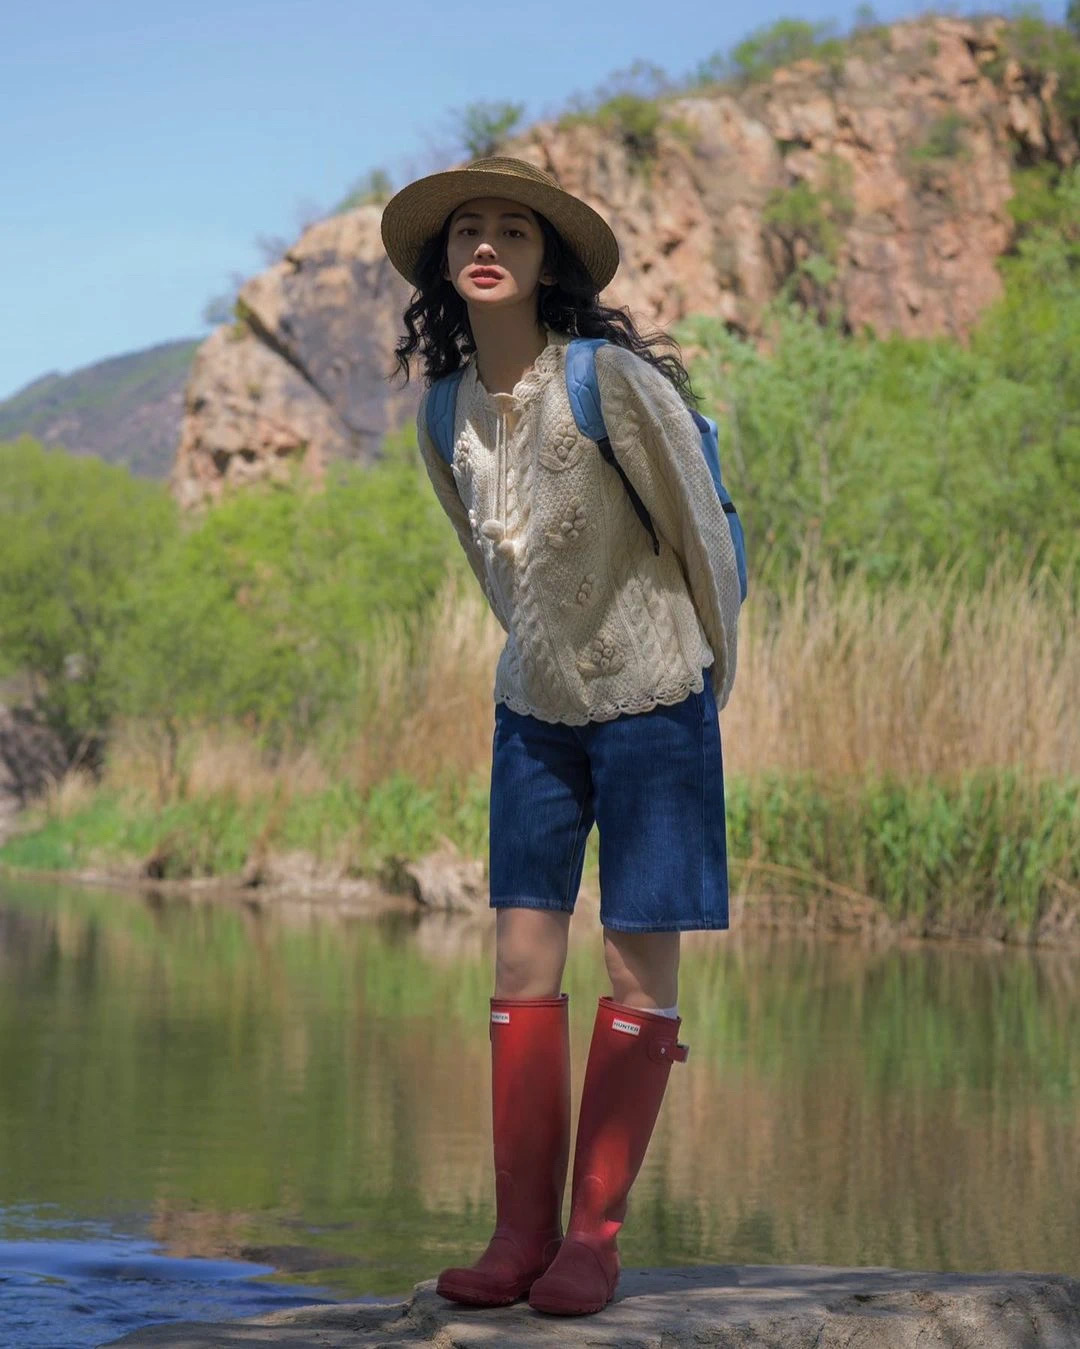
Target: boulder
column 726, row 1306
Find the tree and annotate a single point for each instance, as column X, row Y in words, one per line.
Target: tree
column 255, row 613
column 76, row 535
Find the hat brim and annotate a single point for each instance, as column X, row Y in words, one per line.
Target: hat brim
column 417, row 213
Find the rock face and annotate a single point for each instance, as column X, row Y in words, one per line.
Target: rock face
column 888, row 170
column 727, row 1306
column 303, row 376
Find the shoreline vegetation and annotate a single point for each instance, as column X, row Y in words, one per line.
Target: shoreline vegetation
column 899, row 784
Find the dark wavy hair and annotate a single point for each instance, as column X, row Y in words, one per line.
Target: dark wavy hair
column 438, row 325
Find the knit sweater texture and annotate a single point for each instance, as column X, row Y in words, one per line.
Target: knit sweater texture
column 596, row 623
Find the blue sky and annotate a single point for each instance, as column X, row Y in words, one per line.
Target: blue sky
column 147, row 148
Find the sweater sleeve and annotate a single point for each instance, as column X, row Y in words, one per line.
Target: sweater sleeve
column 442, row 479
column 658, row 446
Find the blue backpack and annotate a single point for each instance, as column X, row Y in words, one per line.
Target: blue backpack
column 584, row 394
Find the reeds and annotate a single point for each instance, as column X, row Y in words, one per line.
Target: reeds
column 836, row 679
column 839, row 679
column 912, row 751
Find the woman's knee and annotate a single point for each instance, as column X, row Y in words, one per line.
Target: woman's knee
column 530, row 952
column 643, row 967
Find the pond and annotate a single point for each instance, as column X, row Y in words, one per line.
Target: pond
column 209, row 1110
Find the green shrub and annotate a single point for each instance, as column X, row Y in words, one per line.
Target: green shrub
column 1035, row 200
column 627, row 105
column 814, row 216
column 780, row 44
column 944, row 139
column 789, row 40
column 798, row 212
column 635, row 120
column 374, row 189
column 112, row 606
column 76, row 538
column 681, row 130
column 903, row 453
column 482, row 127
column 256, row 614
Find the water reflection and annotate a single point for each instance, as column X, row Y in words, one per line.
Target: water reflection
column 311, row 1092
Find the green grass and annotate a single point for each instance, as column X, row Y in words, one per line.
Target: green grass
column 986, row 854
column 207, row 836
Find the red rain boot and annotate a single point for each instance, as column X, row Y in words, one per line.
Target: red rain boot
column 630, row 1058
column 530, row 1114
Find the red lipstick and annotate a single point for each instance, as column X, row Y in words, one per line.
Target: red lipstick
column 485, row 276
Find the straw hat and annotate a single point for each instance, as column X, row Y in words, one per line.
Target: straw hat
column 417, row 212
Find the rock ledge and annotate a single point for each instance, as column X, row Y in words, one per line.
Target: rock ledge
column 748, row 1306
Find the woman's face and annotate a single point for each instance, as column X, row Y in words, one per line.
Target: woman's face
column 502, row 237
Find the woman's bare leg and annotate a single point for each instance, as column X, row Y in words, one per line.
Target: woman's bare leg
column 643, row 967
column 530, row 952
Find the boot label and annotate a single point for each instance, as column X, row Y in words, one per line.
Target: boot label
column 502, row 1018
column 630, row 1027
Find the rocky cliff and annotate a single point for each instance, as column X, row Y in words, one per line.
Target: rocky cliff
column 876, row 180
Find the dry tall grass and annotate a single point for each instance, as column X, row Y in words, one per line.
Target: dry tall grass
column 68, row 795
column 927, row 680
column 217, row 759
column 835, row 678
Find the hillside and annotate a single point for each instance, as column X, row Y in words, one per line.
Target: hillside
column 126, row 410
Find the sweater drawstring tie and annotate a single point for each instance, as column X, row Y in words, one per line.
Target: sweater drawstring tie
column 495, row 529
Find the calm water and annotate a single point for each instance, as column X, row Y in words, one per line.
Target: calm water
column 204, row 1108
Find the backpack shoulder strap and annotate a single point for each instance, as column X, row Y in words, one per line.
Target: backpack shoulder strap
column 441, row 406
column 710, row 444
column 584, row 393
column 582, row 388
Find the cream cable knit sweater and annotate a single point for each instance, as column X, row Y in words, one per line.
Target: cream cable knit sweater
column 596, row 623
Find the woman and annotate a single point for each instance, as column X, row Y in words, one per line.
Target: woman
column 618, row 654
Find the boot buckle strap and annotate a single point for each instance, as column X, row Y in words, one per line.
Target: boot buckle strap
column 670, row 1052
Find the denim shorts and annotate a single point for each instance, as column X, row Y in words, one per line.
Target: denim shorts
column 652, row 782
